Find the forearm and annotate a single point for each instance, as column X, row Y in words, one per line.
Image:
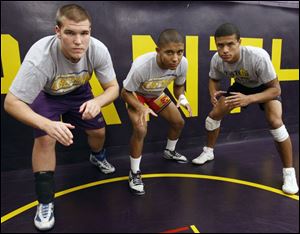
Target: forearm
column 264, row 96
column 108, row 96
column 22, row 112
column 273, row 90
column 213, row 86
column 178, row 90
column 111, row 92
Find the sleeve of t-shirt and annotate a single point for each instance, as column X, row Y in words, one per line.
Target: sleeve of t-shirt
column 104, row 69
column 265, row 69
column 28, row 83
column 214, row 72
column 133, row 80
column 180, row 80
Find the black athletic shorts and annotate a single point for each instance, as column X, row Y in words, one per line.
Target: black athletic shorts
column 236, row 87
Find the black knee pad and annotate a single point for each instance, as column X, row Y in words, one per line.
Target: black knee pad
column 44, row 186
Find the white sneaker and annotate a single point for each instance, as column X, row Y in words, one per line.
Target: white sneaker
column 206, row 155
column 136, row 184
column 44, row 217
column 289, row 181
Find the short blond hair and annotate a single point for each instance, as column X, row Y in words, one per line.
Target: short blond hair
column 72, row 12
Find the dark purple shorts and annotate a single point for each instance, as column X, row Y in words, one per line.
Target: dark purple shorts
column 66, row 107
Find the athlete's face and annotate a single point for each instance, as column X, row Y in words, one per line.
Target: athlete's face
column 74, row 38
column 170, row 55
column 228, row 48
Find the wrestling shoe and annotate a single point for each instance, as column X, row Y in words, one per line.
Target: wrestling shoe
column 205, row 156
column 44, row 217
column 289, row 181
column 173, row 155
column 136, row 184
column 103, row 165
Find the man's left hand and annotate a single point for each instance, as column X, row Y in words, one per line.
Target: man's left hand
column 237, row 100
column 184, row 102
column 89, row 109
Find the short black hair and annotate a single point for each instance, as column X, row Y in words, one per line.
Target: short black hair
column 169, row 35
column 227, row 29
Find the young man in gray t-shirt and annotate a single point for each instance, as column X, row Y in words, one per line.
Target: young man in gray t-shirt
column 53, row 82
column 149, row 76
column 255, row 82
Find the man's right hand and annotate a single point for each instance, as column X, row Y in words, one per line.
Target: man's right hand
column 60, row 131
column 214, row 98
column 143, row 113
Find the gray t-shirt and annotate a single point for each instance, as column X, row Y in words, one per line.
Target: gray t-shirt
column 46, row 68
column 253, row 69
column 147, row 78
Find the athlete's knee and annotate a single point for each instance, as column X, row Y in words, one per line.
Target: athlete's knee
column 45, row 142
column 275, row 122
column 97, row 133
column 178, row 124
column 44, row 186
column 280, row 134
column 211, row 124
column 140, row 131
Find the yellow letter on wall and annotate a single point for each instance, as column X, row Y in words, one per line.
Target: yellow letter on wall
column 11, row 62
column 283, row 74
column 109, row 112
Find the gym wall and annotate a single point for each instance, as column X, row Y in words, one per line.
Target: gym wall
column 130, row 29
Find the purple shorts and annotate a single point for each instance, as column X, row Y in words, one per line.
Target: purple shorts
column 66, row 107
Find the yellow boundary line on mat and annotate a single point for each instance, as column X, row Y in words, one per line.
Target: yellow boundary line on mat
column 193, row 176
column 195, row 230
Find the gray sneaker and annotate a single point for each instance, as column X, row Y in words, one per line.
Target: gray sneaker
column 103, row 165
column 44, row 217
column 173, row 155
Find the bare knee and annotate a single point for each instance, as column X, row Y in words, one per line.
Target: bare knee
column 275, row 123
column 96, row 133
column 140, row 131
column 179, row 124
column 45, row 142
column 218, row 114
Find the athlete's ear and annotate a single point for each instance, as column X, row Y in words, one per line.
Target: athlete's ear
column 58, row 31
column 157, row 49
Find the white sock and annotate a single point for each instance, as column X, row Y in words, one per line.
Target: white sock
column 135, row 164
column 208, row 149
column 171, row 144
column 288, row 169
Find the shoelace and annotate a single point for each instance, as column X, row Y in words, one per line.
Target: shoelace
column 106, row 164
column 176, row 155
column 45, row 210
column 137, row 179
